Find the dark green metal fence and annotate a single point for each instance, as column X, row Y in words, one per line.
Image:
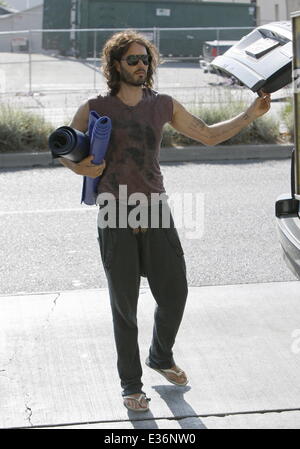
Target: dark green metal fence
column 138, row 14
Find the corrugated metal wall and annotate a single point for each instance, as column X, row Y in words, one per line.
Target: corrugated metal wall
column 166, row 14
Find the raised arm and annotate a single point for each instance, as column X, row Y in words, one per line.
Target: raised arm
column 195, row 128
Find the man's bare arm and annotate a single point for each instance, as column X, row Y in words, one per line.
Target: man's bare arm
column 80, row 120
column 195, row 128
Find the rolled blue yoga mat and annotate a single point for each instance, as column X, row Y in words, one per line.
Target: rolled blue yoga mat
column 69, row 143
column 99, row 129
column 72, row 144
column 93, row 117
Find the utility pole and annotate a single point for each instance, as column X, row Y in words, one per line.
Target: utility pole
column 73, row 25
column 254, row 15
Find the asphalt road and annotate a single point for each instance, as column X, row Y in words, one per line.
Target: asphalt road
column 48, row 239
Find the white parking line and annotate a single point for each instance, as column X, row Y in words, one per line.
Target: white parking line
column 2, row 82
column 64, row 87
column 47, row 211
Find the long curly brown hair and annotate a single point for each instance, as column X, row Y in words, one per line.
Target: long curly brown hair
column 116, row 47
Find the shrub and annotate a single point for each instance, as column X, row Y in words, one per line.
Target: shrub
column 25, row 131
column 22, row 131
column 288, row 118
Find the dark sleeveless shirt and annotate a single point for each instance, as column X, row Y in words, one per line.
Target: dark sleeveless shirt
column 132, row 158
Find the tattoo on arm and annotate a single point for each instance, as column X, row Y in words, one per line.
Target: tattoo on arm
column 218, row 132
column 196, row 123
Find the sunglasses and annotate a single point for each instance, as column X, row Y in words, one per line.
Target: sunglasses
column 134, row 59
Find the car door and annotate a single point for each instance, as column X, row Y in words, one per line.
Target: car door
column 287, row 206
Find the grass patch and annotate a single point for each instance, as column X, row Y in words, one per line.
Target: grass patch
column 22, row 131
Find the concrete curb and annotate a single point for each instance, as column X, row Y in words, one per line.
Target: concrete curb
column 225, row 152
column 185, row 154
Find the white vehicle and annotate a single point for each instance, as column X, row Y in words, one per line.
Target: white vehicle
column 287, row 208
column 262, row 59
column 265, row 59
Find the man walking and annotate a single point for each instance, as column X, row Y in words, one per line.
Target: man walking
column 138, row 115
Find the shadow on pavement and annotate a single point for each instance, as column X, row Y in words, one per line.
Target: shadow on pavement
column 182, row 412
column 180, row 408
column 144, row 420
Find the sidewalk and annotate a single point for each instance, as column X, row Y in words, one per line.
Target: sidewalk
column 239, row 345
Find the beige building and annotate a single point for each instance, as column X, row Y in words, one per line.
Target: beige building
column 270, row 10
column 274, row 10
column 229, row 1
column 30, row 19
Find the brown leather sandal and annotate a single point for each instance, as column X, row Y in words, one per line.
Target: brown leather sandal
column 165, row 372
column 138, row 400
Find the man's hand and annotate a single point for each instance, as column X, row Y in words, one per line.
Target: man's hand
column 87, row 168
column 259, row 106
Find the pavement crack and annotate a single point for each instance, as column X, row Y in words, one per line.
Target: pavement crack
column 53, row 307
column 171, row 418
column 28, row 412
column 55, row 301
column 47, row 318
column 225, row 415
